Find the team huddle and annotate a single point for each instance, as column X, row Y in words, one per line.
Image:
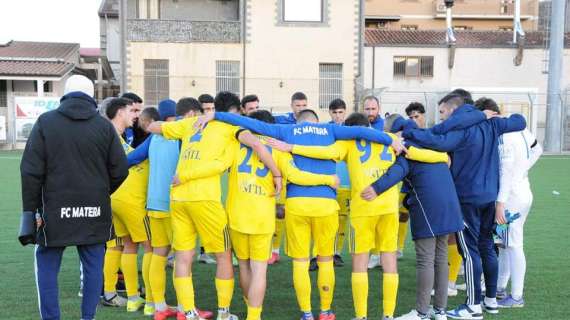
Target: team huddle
column 462, row 185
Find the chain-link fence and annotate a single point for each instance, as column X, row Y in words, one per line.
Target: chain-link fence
column 531, row 104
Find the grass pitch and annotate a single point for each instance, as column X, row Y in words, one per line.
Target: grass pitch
column 546, row 247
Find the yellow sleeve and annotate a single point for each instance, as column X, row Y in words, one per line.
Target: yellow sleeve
column 293, row 174
column 210, row 168
column 336, row 151
column 176, row 130
column 426, row 155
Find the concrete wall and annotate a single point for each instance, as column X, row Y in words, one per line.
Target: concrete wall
column 187, row 62
column 291, row 53
column 488, row 72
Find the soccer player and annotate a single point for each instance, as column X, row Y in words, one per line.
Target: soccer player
column 196, row 204
column 148, row 116
column 416, row 112
column 249, row 104
column 372, row 110
column 475, row 170
column 134, row 135
column 207, row 103
column 251, row 198
column 337, row 111
column 130, row 220
column 373, row 224
column 298, row 104
column 435, row 213
column 518, row 152
column 311, row 211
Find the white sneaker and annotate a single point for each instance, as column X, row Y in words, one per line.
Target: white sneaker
column 413, row 315
column 226, row 316
column 465, row 312
column 490, row 305
column 450, row 292
column 461, row 286
column 437, row 314
column 206, row 258
column 375, row 261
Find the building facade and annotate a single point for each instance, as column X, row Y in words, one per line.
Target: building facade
column 178, row 48
column 408, row 66
column 467, row 14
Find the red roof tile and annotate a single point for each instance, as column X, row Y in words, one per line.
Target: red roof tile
column 25, row 49
column 29, row 68
column 466, row 39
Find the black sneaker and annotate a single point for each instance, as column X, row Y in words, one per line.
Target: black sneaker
column 338, row 262
column 313, row 266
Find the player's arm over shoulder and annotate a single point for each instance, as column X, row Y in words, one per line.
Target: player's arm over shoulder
column 175, row 129
column 297, row 176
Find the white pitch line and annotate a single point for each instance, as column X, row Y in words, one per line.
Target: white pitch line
column 10, row 158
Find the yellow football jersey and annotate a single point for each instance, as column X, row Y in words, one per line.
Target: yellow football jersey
column 133, row 189
column 251, row 198
column 199, row 148
column 366, row 161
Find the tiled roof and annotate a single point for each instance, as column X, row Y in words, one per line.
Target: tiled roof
column 30, row 68
column 26, row 49
column 465, row 39
column 48, row 59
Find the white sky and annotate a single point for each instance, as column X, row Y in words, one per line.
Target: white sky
column 51, row 21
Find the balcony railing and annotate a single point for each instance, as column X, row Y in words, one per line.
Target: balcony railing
column 183, row 31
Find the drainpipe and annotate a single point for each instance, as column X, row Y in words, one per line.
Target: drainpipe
column 449, row 37
column 360, row 72
column 243, row 39
column 123, row 28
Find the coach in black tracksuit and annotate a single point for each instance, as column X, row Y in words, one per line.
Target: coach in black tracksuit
column 72, row 162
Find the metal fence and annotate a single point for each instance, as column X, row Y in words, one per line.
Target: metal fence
column 528, row 103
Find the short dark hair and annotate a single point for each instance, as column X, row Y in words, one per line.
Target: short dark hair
column 337, row 104
column 132, row 96
column 371, row 98
column 206, row 98
column 114, row 106
column 262, row 115
column 466, row 95
column 249, row 98
column 357, row 119
column 415, row 106
column 151, row 113
column 225, row 100
column 306, row 114
column 185, row 105
column 298, row 96
column 484, row 103
column 453, row 99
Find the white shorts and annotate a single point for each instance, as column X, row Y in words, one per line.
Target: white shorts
column 521, row 203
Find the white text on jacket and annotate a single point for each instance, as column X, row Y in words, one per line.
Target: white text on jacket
column 80, row 212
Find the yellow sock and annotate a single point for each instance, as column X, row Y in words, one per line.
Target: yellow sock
column 341, row 234
column 130, row 273
column 302, row 284
column 360, row 293
column 157, row 277
column 225, row 290
column 402, row 232
column 278, row 235
column 253, row 313
column 390, row 293
column 185, row 292
column 325, row 281
column 110, row 269
column 147, row 257
column 455, row 261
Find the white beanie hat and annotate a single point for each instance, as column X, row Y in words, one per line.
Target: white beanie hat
column 79, row 83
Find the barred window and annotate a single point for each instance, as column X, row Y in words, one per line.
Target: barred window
column 413, row 67
column 227, row 76
column 156, row 81
column 330, row 83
